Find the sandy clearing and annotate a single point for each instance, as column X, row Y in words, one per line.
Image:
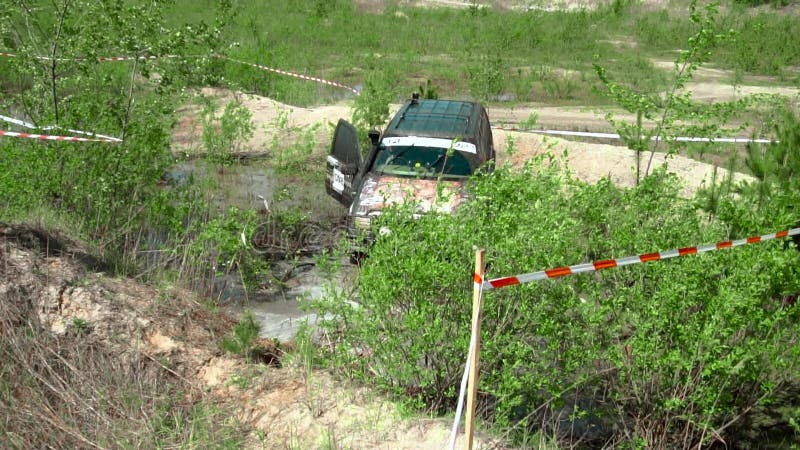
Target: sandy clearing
column 591, row 162
column 587, row 161
column 556, row 117
column 715, row 85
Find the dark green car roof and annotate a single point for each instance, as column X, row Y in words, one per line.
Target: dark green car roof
column 436, row 118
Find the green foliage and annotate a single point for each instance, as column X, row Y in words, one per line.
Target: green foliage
column 428, row 91
column 79, row 326
column 771, row 200
column 222, row 137
column 242, row 337
column 774, row 3
column 296, row 155
column 756, row 48
column 486, row 77
column 222, row 246
column 658, row 119
column 530, row 122
column 776, row 166
column 112, row 191
column 683, row 346
column 346, row 47
column 201, row 426
column 371, row 108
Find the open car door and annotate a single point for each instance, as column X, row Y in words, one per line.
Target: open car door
column 343, row 163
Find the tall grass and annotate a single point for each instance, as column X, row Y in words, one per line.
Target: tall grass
column 77, row 390
column 344, row 43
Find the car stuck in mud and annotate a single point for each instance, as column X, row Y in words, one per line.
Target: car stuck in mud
column 424, row 157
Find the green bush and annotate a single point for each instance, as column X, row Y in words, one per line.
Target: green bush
column 223, row 136
column 242, row 337
column 486, row 77
column 672, row 350
column 222, row 246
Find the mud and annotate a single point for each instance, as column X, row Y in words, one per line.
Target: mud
column 282, row 310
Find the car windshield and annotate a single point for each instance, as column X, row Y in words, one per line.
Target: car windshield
column 421, row 162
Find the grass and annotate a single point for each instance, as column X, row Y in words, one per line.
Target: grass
column 78, row 391
column 527, row 52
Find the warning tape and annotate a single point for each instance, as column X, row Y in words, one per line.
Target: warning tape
column 137, row 58
column 737, row 140
column 55, row 127
column 103, row 138
column 257, row 66
column 46, row 137
column 291, row 74
column 556, row 272
column 17, row 122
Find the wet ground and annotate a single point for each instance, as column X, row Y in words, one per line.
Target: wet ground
column 249, row 183
column 295, row 278
column 281, row 311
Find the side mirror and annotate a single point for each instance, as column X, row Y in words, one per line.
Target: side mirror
column 374, row 136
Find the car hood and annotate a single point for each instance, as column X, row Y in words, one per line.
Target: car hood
column 380, row 191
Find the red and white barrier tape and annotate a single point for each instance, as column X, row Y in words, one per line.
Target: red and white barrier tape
column 291, row 74
column 103, row 138
column 257, row 66
column 54, row 127
column 132, row 58
column 46, row 137
column 556, row 272
column 737, row 140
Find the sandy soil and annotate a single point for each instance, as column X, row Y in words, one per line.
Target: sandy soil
column 587, row 161
column 286, row 408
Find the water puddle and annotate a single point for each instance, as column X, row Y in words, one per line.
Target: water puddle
column 295, row 276
column 278, row 310
column 247, row 185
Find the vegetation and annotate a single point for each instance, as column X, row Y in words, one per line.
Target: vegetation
column 222, row 137
column 683, row 354
column 242, row 337
column 668, row 355
column 534, row 56
column 81, row 389
column 686, row 353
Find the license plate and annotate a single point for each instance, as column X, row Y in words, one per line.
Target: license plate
column 338, row 181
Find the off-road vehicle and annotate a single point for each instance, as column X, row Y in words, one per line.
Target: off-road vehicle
column 428, row 143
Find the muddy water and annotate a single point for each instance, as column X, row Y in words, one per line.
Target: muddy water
column 276, row 303
column 248, row 185
column 279, row 310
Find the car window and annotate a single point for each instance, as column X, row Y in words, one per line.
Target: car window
column 419, row 161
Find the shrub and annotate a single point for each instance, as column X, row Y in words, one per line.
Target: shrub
column 242, row 337
column 224, row 136
column 668, row 354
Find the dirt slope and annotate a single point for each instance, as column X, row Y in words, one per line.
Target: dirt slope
column 285, row 407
